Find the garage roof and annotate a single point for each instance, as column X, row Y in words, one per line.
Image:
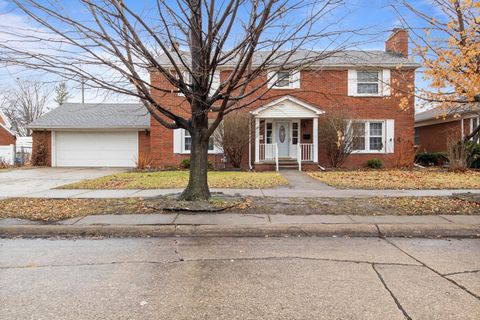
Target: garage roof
column 94, row 116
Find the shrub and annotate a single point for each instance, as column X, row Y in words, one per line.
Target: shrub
column 374, row 163
column 232, row 136
column 144, row 161
column 474, row 155
column 40, row 155
column 431, row 158
column 185, row 164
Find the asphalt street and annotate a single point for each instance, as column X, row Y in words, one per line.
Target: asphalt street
column 240, row 278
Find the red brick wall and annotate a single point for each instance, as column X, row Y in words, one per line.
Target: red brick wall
column 45, row 138
column 6, row 138
column 143, row 142
column 398, row 42
column 327, row 90
column 435, row 137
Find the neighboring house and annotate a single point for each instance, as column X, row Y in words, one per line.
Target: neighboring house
column 7, row 141
column 7, row 137
column 358, row 82
column 434, row 128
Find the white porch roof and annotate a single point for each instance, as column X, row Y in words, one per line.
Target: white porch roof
column 287, row 107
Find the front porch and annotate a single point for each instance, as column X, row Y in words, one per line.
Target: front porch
column 286, row 134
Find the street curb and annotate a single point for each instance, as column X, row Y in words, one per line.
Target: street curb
column 280, row 230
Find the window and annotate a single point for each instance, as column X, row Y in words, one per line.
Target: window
column 187, row 142
column 295, row 133
column 474, row 122
column 368, row 136
column 284, row 79
column 268, row 130
column 417, row 137
column 368, row 82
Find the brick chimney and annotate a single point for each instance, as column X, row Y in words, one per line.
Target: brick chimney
column 398, row 42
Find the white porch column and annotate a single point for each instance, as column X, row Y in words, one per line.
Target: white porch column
column 315, row 139
column 257, row 140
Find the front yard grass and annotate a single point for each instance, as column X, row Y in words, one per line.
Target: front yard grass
column 179, row 179
column 400, row 179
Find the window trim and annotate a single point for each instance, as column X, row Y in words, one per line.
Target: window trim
column 379, row 83
column 293, row 74
column 215, row 149
column 367, row 137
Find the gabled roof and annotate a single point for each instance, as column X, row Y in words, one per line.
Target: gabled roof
column 94, row 116
column 285, row 111
column 5, row 123
column 348, row 58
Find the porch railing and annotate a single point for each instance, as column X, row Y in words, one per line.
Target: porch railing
column 304, row 153
column 269, row 152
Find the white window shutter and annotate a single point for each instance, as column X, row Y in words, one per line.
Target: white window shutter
column 215, row 82
column 177, row 140
column 386, row 89
column 352, row 82
column 272, row 79
column 390, row 136
column 295, row 80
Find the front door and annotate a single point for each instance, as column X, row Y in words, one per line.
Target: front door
column 283, row 138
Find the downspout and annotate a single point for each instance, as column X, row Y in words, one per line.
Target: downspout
column 250, row 144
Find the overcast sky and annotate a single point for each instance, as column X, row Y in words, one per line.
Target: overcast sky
column 375, row 18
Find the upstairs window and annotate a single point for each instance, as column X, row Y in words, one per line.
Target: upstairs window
column 284, row 79
column 368, row 82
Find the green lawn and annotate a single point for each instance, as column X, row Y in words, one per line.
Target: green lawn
column 179, row 179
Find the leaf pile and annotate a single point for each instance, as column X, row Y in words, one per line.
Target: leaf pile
column 400, row 179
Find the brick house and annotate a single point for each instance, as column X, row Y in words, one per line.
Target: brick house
column 285, row 122
column 7, row 137
column 433, row 128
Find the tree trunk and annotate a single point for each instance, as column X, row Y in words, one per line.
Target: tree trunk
column 197, row 188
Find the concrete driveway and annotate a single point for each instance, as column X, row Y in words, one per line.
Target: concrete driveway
column 22, row 182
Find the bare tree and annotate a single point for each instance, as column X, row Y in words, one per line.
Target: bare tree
column 232, row 136
column 61, row 93
column 339, row 136
column 197, row 38
column 24, row 103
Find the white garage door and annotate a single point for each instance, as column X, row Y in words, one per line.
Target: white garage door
column 95, row 149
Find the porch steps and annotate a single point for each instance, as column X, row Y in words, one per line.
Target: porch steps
column 287, row 164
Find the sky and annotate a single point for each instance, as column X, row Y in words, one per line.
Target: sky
column 375, row 19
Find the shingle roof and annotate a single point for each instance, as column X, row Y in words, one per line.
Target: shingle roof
column 440, row 113
column 94, row 116
column 374, row 58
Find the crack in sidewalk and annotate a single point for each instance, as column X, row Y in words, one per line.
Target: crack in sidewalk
column 433, row 270
column 182, row 259
column 399, row 305
column 460, row 272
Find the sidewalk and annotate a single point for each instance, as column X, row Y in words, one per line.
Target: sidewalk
column 231, row 224
column 280, row 192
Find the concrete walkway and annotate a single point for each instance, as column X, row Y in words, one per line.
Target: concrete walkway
column 300, row 180
column 281, row 192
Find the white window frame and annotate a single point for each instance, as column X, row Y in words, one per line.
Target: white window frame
column 184, row 135
column 367, row 137
column 293, row 79
column 471, row 123
column 384, row 89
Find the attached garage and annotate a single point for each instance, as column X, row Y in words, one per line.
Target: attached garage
column 94, row 149
column 94, row 135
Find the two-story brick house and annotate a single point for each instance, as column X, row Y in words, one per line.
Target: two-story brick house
column 284, row 123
